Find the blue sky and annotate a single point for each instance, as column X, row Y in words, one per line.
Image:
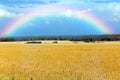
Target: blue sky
column 107, row 10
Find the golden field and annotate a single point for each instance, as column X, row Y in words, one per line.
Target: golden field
column 62, row 61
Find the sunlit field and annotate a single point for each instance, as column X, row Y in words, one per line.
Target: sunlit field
column 64, row 60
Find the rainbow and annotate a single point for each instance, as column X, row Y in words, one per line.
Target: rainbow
column 53, row 10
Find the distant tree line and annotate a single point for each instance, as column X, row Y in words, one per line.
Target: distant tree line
column 88, row 38
column 7, row 39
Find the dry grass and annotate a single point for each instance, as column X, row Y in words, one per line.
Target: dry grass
column 63, row 61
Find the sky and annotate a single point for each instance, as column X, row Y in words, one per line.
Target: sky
column 107, row 11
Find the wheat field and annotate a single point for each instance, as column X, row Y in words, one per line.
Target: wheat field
column 62, row 61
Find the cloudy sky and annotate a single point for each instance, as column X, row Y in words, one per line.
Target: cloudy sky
column 107, row 10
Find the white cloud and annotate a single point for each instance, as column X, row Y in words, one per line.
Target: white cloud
column 109, row 12
column 68, row 12
column 4, row 13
